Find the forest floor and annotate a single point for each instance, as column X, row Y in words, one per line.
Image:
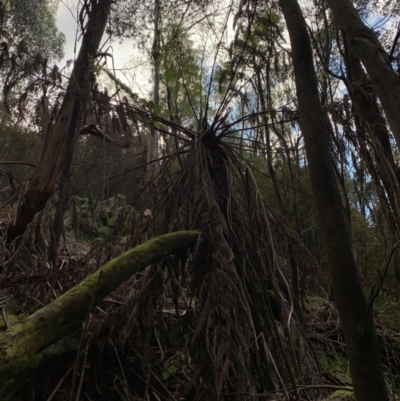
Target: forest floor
column 102, row 371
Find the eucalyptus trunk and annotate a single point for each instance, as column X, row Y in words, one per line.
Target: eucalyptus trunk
column 59, row 140
column 153, row 139
column 376, row 61
column 355, row 313
column 371, row 119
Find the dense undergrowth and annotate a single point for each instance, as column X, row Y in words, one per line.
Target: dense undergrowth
column 141, row 342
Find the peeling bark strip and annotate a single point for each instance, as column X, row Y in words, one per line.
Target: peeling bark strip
column 26, row 344
column 376, row 61
column 60, row 135
column 355, row 314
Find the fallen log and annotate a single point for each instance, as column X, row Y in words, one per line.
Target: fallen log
column 24, row 346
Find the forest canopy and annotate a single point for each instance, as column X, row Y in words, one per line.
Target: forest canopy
column 216, row 219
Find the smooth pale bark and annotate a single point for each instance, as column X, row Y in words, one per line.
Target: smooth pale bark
column 357, row 323
column 376, row 61
column 60, row 135
column 153, row 138
column 26, row 345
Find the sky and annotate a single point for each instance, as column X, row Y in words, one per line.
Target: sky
column 124, row 57
column 129, row 66
column 132, row 68
column 66, row 23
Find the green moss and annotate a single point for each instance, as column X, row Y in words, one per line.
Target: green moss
column 343, row 395
column 12, row 319
column 337, row 365
column 320, row 307
column 315, row 301
column 26, row 344
column 169, row 371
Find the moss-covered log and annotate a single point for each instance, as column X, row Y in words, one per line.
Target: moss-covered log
column 24, row 346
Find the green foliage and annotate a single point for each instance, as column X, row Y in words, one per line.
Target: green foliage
column 265, row 27
column 82, row 201
column 385, row 308
column 34, row 22
column 103, row 232
column 222, row 77
column 92, row 221
column 17, row 144
column 181, row 72
column 369, row 246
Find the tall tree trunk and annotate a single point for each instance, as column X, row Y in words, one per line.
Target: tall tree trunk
column 60, row 135
column 373, row 121
column 153, row 139
column 365, row 99
column 354, row 311
column 366, row 105
column 377, row 63
column 264, row 118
